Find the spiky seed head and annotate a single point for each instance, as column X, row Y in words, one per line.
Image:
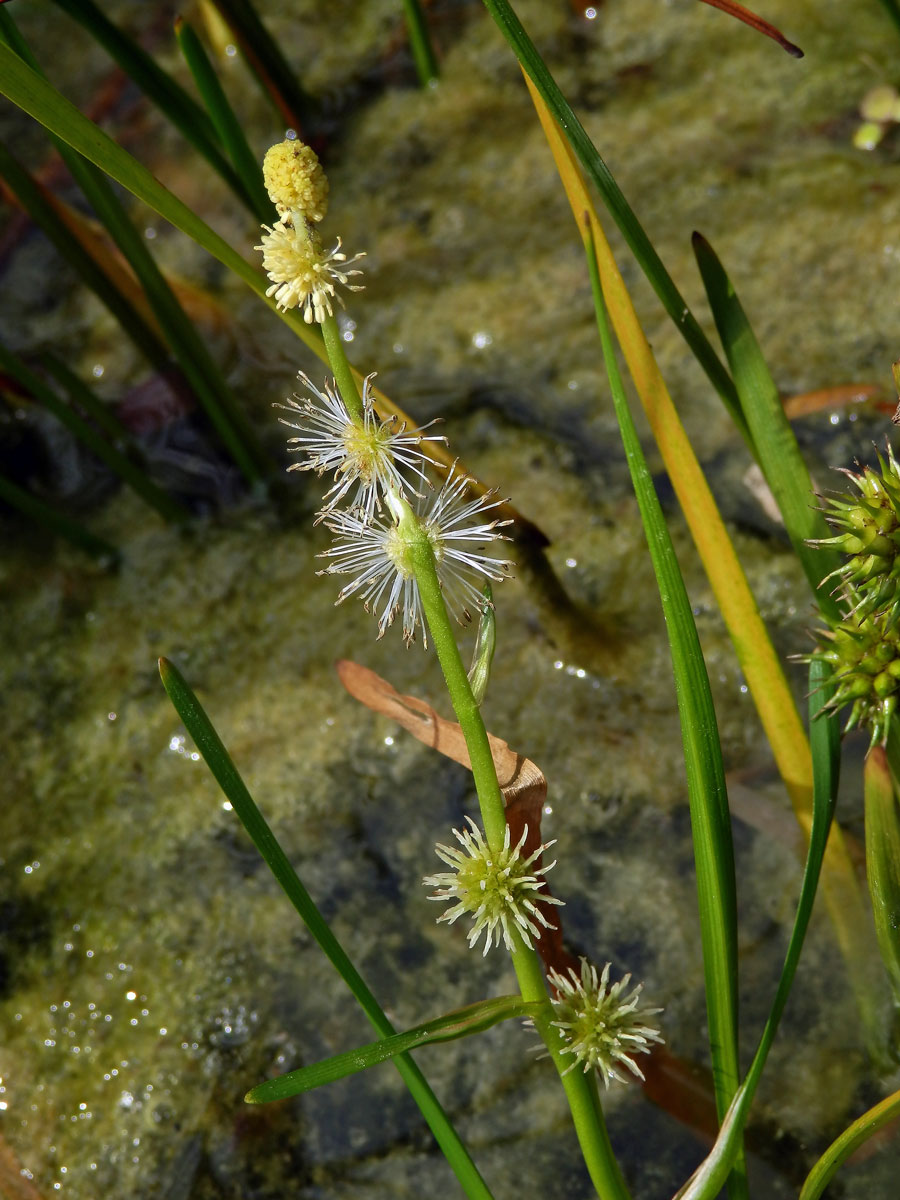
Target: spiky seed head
column 600, row 1026
column 499, row 891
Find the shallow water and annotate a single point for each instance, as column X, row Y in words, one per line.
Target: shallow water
column 152, row 972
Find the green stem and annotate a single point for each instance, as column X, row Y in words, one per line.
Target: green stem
column 580, row 1088
column 343, row 372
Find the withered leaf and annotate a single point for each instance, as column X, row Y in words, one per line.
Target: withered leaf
column 522, row 783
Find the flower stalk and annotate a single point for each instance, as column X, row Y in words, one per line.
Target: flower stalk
column 341, row 369
column 581, row 1089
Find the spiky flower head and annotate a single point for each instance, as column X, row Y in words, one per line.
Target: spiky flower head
column 303, row 273
column 500, row 891
column 370, row 453
column 295, row 180
column 864, row 654
column 380, row 553
column 869, row 534
column 600, row 1026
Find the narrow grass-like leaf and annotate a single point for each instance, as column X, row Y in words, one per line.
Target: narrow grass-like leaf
column 619, row 209
column 228, row 127
column 80, row 394
column 34, row 95
column 892, row 8
column 463, row 1022
column 226, row 775
column 197, row 364
column 267, row 62
column 710, row 819
column 883, row 860
column 760, row 664
column 756, row 655
column 44, row 212
column 167, row 507
column 60, row 523
column 710, row 1176
column 849, row 1141
column 420, row 43
column 776, row 446
column 165, row 92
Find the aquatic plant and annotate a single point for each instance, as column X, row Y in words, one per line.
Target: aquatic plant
column 411, row 530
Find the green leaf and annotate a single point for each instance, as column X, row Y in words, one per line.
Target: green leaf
column 266, row 61
column 59, row 523
column 170, row 98
column 710, row 818
column 197, row 364
column 883, row 860
column 825, row 739
column 420, row 43
column 33, row 200
column 168, row 508
column 463, row 1022
column 229, row 780
column 617, row 206
column 849, row 1141
column 228, row 127
column 773, row 438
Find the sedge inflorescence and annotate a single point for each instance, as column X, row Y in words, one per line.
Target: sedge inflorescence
column 500, row 891
column 863, row 648
column 601, row 1026
column 379, row 466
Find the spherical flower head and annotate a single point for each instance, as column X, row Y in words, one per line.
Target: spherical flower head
column 868, row 527
column 295, row 180
column 303, row 273
column 500, row 891
column 864, row 654
column 380, row 553
column 370, row 453
column 600, row 1026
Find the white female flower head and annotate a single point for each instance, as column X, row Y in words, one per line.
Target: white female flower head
column 500, row 891
column 303, row 273
column 600, row 1027
column 370, row 453
column 379, row 553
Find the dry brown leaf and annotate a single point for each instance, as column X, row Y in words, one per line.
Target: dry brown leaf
column 522, row 783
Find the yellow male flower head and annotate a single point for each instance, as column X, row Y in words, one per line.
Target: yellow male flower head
column 295, row 180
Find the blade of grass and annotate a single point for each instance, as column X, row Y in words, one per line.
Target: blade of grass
column 474, row 1018
column 708, row 1179
column 776, row 446
column 758, row 661
column 167, row 507
column 756, row 655
column 710, row 818
column 45, row 212
column 87, row 399
column 892, row 8
column 620, row 211
column 420, row 43
column 883, row 860
column 267, row 63
column 228, row 128
column 850, row 1140
column 169, row 97
column 198, row 366
column 226, row 775
column 35, row 96
column 59, row 523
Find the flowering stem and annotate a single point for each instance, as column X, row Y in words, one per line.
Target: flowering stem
column 580, row 1088
column 343, row 372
